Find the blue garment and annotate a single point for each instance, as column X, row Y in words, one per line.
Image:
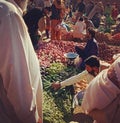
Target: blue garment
column 55, row 13
column 91, row 48
column 81, row 7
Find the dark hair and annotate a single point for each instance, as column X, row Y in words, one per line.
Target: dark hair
column 92, row 61
column 92, row 32
column 81, row 19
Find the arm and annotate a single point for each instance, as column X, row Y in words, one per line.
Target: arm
column 74, row 79
column 70, row 81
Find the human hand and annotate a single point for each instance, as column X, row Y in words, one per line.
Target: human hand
column 56, row 85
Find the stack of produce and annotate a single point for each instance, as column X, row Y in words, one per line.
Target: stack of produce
column 115, row 40
column 107, row 45
column 108, row 38
column 54, row 51
column 67, row 37
column 101, row 37
column 57, row 104
column 105, row 52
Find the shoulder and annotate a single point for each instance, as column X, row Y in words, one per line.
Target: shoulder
column 95, row 41
column 6, row 8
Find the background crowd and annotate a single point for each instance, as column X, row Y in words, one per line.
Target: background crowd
column 61, row 17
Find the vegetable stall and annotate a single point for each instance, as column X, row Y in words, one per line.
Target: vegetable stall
column 58, row 104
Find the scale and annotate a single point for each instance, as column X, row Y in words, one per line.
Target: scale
column 70, row 56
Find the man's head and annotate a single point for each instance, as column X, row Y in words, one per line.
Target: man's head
column 22, row 4
column 91, row 32
column 81, row 19
column 92, row 65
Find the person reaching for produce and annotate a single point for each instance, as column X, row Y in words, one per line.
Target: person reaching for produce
column 82, row 79
column 91, row 48
column 102, row 98
column 92, row 65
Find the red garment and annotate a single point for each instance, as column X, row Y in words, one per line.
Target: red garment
column 55, row 33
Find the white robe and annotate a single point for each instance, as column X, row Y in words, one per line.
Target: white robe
column 20, row 78
column 104, row 95
column 79, row 30
column 83, row 76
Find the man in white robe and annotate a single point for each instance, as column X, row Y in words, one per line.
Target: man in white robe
column 20, row 78
column 102, row 96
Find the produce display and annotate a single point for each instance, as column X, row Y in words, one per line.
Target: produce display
column 108, row 38
column 54, row 51
column 115, row 39
column 116, row 36
column 108, row 45
column 57, row 104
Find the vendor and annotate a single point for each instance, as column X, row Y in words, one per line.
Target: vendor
column 79, row 30
column 91, row 48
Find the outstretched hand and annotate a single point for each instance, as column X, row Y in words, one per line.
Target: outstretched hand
column 56, row 85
